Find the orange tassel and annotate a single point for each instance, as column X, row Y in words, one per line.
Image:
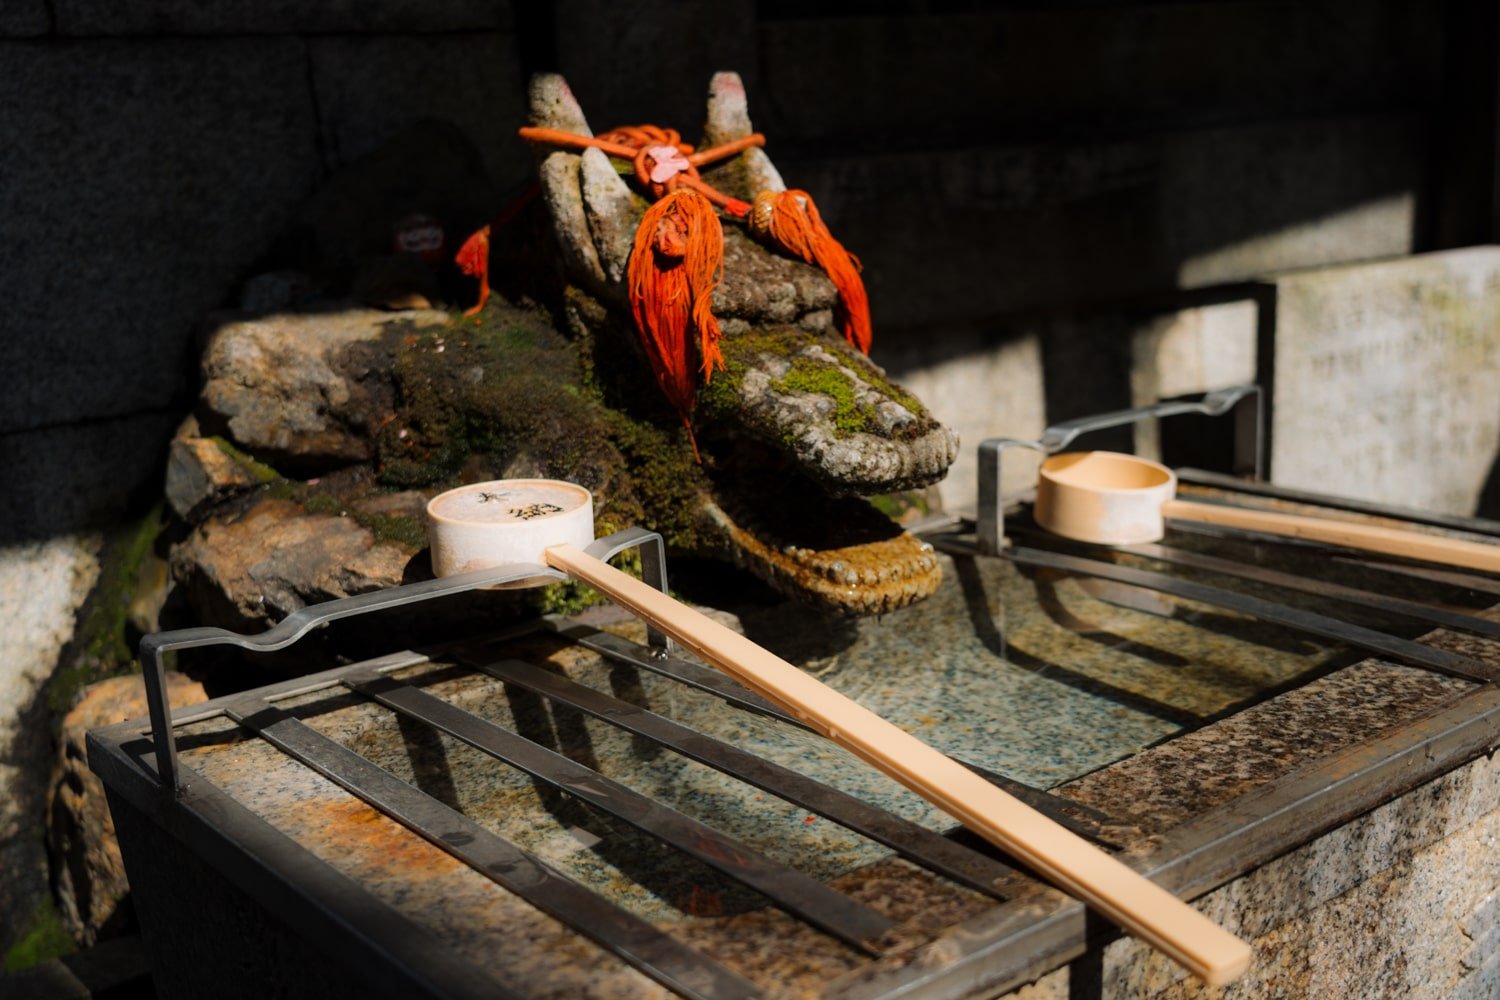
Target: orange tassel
column 790, row 220
column 674, row 267
column 473, row 259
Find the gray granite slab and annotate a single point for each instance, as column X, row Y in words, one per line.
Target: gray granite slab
column 42, row 585
column 1025, row 225
column 1386, row 379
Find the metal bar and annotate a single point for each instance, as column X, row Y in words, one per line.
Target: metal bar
column 694, row 675
column 1452, row 578
column 1369, row 640
column 1076, row 817
column 367, row 936
column 842, row 917
column 669, row 962
column 1476, row 525
column 1320, row 588
column 291, row 628
column 916, row 843
column 1441, row 617
column 1250, row 437
column 653, row 570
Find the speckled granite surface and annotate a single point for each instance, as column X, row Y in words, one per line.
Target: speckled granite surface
column 1030, row 674
column 1403, row 902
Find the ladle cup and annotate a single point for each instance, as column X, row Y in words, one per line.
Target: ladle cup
column 1110, row 498
column 539, row 521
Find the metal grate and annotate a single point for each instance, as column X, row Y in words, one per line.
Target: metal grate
column 1018, row 935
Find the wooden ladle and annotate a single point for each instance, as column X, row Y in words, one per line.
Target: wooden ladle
column 1069, row 862
column 1114, row 499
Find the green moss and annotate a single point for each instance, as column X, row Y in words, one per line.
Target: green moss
column 897, row 505
column 317, row 502
column 807, row 373
column 850, row 415
column 720, row 395
column 569, row 598
column 285, row 489
column 509, row 385
column 44, row 939
column 103, row 642
column 510, row 393
column 260, row 470
column 408, row 531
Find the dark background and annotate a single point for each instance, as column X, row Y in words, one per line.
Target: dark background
column 991, row 164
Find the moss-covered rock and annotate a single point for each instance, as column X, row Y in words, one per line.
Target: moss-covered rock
column 510, row 397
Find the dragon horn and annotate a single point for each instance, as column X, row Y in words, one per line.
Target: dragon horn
column 554, row 106
column 611, row 212
column 728, row 112
column 728, row 120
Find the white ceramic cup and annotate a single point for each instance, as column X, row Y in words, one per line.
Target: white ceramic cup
column 1103, row 497
column 505, row 522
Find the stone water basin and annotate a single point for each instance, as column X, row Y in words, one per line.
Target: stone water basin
column 1026, row 673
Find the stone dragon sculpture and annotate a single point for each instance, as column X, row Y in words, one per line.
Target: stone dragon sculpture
column 768, row 469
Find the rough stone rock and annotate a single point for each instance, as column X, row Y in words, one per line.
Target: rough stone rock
column 88, row 874
column 769, row 287
column 201, row 471
column 835, row 410
column 41, row 587
column 251, row 570
column 308, row 389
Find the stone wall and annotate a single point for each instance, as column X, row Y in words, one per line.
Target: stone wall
column 992, row 167
column 163, row 146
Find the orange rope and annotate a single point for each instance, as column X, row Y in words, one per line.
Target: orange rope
column 790, row 220
column 646, row 135
column 555, row 137
column 675, row 265
column 679, row 250
column 727, row 150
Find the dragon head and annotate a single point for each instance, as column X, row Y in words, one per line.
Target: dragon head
column 795, row 423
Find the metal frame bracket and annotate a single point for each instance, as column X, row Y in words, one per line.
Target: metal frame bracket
column 294, row 626
column 1249, row 457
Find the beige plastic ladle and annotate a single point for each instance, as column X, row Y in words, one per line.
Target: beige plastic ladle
column 1115, row 499
column 469, row 529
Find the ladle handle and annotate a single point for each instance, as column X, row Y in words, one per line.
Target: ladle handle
column 1370, row 537
column 1077, row 867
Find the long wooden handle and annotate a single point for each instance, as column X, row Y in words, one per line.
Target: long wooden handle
column 1371, row 537
column 1074, row 865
